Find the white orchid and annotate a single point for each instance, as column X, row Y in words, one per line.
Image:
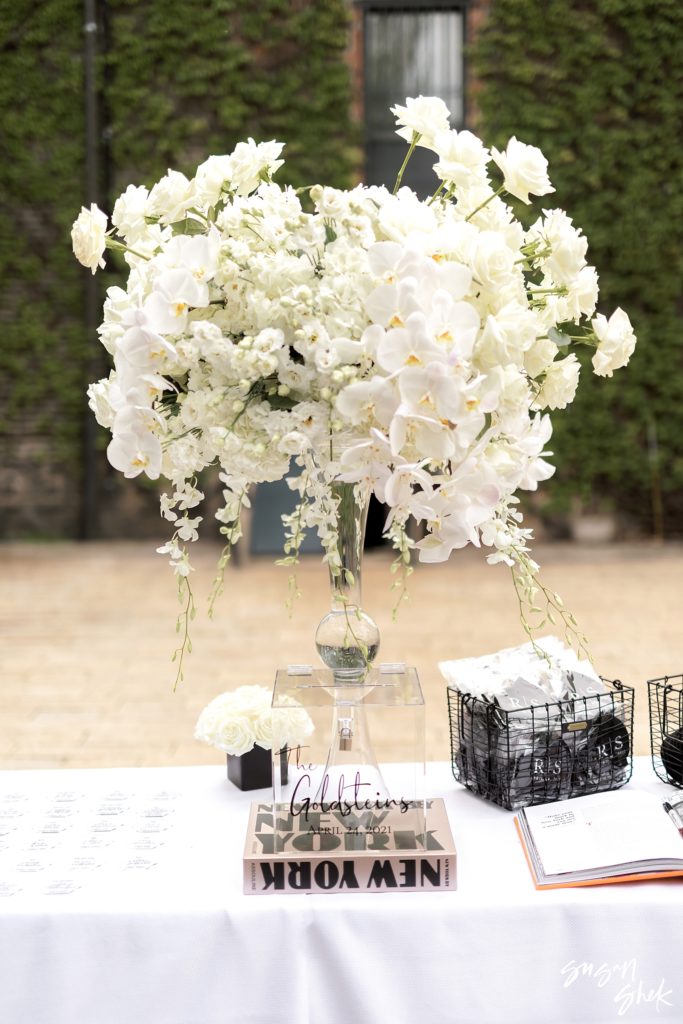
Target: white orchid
column 175, row 293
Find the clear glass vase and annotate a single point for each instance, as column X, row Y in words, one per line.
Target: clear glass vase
column 347, row 638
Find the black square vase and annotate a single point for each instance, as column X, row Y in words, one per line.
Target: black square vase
column 252, row 770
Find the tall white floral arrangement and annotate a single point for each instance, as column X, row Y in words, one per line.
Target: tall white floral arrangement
column 435, row 336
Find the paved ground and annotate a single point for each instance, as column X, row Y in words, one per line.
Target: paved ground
column 87, row 631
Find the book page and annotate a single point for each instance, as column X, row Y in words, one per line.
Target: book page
column 602, row 830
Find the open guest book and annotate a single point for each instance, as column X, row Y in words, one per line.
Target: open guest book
column 619, row 836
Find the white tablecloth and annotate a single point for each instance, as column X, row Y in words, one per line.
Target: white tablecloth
column 121, row 903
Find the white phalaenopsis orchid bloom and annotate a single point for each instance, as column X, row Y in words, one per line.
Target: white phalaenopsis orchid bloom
column 133, row 453
column 412, row 345
column 197, row 254
column 175, row 293
column 453, row 325
column 142, row 348
column 368, row 401
column 391, row 304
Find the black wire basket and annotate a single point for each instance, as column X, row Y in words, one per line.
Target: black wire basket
column 666, row 728
column 534, row 755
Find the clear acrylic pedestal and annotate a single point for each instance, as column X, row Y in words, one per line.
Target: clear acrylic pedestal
column 342, row 786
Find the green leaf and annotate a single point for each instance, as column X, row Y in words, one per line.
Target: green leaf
column 189, row 226
column 560, row 339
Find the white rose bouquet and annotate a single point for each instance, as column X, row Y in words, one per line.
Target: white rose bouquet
column 237, row 721
column 260, row 321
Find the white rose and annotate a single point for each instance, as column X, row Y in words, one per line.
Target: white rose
column 539, row 357
column 506, row 337
column 330, row 202
column 293, row 725
column 98, row 400
column 493, row 262
column 525, row 170
column 89, row 237
column 263, row 730
column 224, row 725
column 171, row 198
column 235, row 735
column 616, row 342
column 462, row 158
column 568, row 245
column 559, row 384
column 210, row 178
column 251, row 700
column 251, row 163
column 583, row 295
column 427, row 116
column 129, row 213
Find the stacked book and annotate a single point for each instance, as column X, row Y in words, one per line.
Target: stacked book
column 378, row 850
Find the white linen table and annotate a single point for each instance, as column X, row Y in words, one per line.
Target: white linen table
column 121, row 903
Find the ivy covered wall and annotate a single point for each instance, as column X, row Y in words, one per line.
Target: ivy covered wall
column 598, row 85
column 42, row 341
column 178, row 81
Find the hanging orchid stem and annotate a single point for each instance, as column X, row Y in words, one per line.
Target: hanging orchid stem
column 232, row 532
column 183, row 624
column 401, row 567
column 485, row 203
column 293, row 544
column 525, row 581
column 399, row 176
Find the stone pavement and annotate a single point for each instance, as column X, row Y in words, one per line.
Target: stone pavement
column 87, row 632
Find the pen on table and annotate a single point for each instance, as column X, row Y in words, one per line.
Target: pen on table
column 675, row 815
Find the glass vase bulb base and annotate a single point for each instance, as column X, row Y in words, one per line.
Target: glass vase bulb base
column 347, row 641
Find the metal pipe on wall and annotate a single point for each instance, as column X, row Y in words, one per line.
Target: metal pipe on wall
column 89, row 504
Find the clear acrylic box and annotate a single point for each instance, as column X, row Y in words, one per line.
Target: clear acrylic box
column 336, row 779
